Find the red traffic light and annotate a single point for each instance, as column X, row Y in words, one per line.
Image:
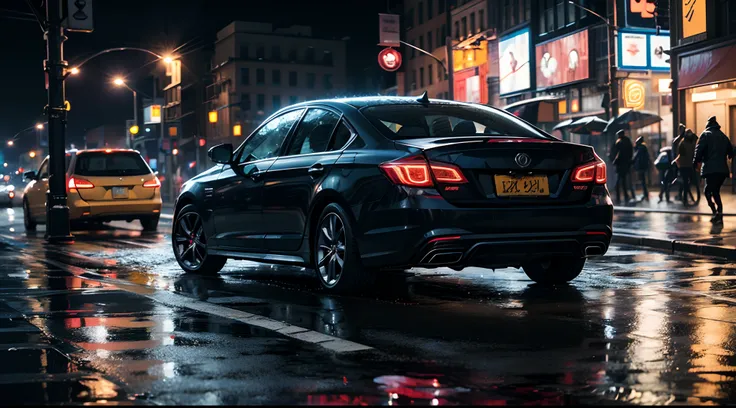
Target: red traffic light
column 202, row 142
column 389, row 59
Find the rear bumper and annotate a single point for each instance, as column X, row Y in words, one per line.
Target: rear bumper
column 113, row 210
column 429, row 231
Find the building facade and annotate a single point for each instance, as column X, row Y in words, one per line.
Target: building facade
column 704, row 75
column 258, row 69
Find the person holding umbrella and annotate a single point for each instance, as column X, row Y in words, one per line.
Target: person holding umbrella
column 641, row 165
column 713, row 151
column 621, row 156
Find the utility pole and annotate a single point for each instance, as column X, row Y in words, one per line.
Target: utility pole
column 450, row 65
column 57, row 210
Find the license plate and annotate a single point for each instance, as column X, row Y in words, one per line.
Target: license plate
column 120, row 192
column 509, row 186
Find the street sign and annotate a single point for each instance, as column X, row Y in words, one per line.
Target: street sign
column 78, row 16
column 389, row 59
column 388, row 29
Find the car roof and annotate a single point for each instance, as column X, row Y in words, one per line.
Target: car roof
column 367, row 101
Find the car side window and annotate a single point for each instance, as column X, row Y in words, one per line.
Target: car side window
column 313, row 133
column 341, row 137
column 43, row 172
column 267, row 141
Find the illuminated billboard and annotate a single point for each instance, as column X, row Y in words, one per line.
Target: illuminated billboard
column 563, row 60
column 514, row 64
column 643, row 50
column 152, row 114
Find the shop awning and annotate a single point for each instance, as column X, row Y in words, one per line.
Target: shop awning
column 538, row 110
column 708, row 67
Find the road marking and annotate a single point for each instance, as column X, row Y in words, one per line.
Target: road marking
column 325, row 341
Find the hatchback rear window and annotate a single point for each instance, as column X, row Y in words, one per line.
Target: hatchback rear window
column 443, row 120
column 111, row 164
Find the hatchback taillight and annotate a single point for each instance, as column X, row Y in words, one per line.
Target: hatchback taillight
column 153, row 183
column 414, row 172
column 79, row 183
column 589, row 172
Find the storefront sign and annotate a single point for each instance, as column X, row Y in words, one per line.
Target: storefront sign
column 470, row 84
column 640, row 13
column 634, row 94
column 388, row 30
column 514, row 63
column 708, row 67
column 633, row 50
column 642, row 50
column 152, row 114
column 563, row 60
column 693, row 17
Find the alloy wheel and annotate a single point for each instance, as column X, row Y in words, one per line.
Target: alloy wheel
column 331, row 249
column 190, row 241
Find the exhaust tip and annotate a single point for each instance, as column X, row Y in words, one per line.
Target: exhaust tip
column 445, row 258
column 593, row 250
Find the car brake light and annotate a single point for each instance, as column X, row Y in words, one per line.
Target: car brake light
column 414, row 172
column 153, row 183
column 79, row 184
column 589, row 172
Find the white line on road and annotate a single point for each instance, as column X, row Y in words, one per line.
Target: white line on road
column 328, row 342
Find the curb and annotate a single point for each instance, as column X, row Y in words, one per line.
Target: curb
column 662, row 211
column 676, row 247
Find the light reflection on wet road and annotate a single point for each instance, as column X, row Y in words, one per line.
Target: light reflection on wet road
column 639, row 327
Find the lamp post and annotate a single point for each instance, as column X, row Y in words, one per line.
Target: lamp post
column 612, row 108
column 120, row 82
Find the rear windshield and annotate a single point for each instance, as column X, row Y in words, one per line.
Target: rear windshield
column 438, row 120
column 111, row 164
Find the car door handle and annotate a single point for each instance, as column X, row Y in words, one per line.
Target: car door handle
column 315, row 170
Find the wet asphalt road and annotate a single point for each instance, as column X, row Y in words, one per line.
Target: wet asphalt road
column 113, row 319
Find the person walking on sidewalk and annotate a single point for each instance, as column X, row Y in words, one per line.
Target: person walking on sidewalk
column 663, row 163
column 713, row 151
column 621, row 155
column 641, row 165
column 675, row 148
column 684, row 161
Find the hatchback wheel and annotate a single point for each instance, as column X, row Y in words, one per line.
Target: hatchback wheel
column 28, row 221
column 336, row 255
column 554, row 271
column 190, row 244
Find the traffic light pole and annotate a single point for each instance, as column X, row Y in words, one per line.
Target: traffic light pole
column 57, row 210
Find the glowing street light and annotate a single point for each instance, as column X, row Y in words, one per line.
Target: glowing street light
column 168, row 59
column 5, row 164
column 118, row 81
column 175, row 152
column 74, row 71
column 32, row 154
column 39, row 126
column 11, row 143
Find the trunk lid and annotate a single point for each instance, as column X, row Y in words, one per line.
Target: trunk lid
column 538, row 167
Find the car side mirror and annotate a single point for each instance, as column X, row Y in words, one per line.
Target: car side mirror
column 222, row 153
column 30, row 175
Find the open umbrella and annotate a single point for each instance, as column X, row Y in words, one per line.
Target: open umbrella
column 588, row 125
column 633, row 119
column 563, row 125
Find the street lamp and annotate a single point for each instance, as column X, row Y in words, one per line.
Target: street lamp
column 74, row 71
column 11, row 143
column 118, row 81
column 39, row 126
column 32, row 154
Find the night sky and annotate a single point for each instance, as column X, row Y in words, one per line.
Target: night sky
column 158, row 25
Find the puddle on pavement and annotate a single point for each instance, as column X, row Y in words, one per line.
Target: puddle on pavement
column 88, row 389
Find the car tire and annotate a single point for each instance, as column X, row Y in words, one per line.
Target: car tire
column 28, row 221
column 334, row 240
column 554, row 271
column 190, row 252
column 150, row 223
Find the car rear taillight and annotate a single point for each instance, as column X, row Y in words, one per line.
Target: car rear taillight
column 79, row 184
column 414, row 172
column 589, row 172
column 153, row 183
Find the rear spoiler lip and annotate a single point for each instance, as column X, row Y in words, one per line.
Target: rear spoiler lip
column 442, row 142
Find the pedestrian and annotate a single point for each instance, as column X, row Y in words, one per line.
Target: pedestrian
column 662, row 163
column 641, row 165
column 675, row 144
column 684, row 162
column 621, row 154
column 713, row 151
